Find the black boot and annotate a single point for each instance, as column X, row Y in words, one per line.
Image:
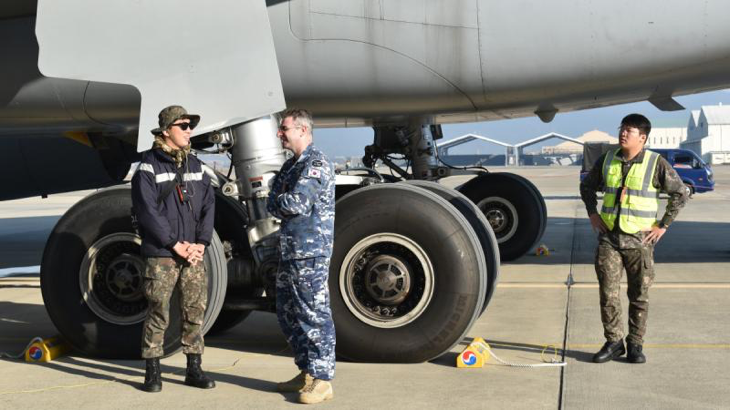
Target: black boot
column 635, row 353
column 152, row 376
column 194, row 375
column 609, row 351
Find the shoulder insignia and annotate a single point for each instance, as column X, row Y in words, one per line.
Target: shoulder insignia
column 317, row 163
column 314, row 173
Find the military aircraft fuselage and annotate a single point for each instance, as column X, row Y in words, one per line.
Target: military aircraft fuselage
column 358, row 63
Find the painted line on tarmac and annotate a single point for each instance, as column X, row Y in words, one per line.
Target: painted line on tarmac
column 708, row 346
column 595, row 285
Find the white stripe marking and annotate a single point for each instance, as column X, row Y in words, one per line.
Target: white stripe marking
column 146, row 167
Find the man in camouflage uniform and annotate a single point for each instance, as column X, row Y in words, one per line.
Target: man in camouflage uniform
column 174, row 203
column 303, row 197
column 628, row 231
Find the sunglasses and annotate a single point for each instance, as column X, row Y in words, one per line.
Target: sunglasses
column 284, row 128
column 183, row 125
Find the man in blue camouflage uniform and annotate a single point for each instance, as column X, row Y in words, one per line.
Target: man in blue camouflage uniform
column 303, row 197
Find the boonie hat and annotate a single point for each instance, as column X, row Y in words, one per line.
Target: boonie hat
column 170, row 114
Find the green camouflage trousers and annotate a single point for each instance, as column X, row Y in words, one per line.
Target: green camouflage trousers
column 162, row 275
column 639, row 264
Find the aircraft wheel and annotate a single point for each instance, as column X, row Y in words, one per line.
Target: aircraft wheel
column 406, row 276
column 231, row 219
column 228, row 319
column 481, row 227
column 91, row 279
column 515, row 212
column 537, row 194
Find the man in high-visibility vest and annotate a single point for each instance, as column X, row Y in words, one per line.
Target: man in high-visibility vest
column 631, row 178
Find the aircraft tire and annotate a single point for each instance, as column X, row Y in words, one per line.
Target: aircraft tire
column 228, row 319
column 514, row 210
column 538, row 195
column 481, row 227
column 231, row 219
column 407, row 275
column 91, row 279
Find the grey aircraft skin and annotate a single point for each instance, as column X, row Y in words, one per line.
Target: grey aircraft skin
column 359, row 63
column 403, row 67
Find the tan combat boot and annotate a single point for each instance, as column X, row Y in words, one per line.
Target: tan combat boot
column 296, row 384
column 317, row 392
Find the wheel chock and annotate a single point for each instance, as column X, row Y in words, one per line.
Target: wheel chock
column 46, row 350
column 475, row 355
column 542, row 250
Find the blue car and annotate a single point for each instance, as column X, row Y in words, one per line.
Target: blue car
column 694, row 172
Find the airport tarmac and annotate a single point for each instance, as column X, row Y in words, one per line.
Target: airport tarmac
column 540, row 301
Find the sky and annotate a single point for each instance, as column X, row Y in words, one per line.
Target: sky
column 352, row 141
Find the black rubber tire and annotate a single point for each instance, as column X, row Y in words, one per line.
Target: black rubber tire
column 94, row 217
column 458, row 273
column 526, row 225
column 228, row 319
column 537, row 193
column 231, row 219
column 481, row 227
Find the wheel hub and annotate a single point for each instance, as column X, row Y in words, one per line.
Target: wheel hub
column 111, row 279
column 502, row 217
column 496, row 218
column 124, row 277
column 386, row 280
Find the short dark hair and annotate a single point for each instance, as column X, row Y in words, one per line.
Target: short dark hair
column 637, row 121
column 298, row 115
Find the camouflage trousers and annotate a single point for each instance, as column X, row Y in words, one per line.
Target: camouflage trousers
column 303, row 310
column 161, row 277
column 639, row 265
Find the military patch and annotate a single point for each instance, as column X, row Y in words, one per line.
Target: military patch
column 313, row 173
column 317, row 163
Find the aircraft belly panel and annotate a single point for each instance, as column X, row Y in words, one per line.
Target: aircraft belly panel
column 560, row 50
column 381, row 65
column 217, row 60
column 454, row 13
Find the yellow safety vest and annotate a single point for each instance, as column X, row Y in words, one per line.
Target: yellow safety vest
column 639, row 205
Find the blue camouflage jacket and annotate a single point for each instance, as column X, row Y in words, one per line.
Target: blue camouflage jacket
column 303, row 197
column 164, row 224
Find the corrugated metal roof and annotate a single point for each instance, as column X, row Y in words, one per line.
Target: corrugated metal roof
column 716, row 114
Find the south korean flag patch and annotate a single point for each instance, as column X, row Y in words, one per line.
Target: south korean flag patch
column 314, row 173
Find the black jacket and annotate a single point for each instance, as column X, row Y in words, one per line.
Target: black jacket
column 172, row 220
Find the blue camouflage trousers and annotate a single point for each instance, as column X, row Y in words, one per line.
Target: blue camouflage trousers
column 303, row 310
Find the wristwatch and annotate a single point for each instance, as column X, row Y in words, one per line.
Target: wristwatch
column 662, row 226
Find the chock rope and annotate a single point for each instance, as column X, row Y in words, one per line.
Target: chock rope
column 553, row 362
column 5, row 355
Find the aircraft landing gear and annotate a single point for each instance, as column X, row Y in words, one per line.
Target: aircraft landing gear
column 407, row 275
column 513, row 206
column 91, row 279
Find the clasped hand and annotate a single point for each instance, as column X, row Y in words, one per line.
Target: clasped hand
column 192, row 252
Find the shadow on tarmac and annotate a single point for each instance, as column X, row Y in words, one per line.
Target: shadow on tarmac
column 449, row 359
column 23, row 240
column 684, row 242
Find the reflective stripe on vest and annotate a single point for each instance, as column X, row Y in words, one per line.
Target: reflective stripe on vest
column 638, row 207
